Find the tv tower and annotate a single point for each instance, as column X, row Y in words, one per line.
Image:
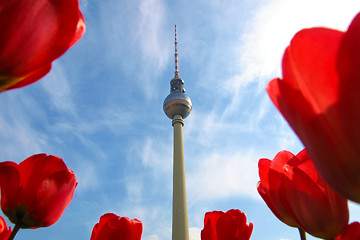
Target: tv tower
column 177, row 106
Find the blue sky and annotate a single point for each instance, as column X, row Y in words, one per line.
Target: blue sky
column 100, row 109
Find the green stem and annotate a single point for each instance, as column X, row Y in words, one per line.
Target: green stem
column 302, row 234
column 14, row 232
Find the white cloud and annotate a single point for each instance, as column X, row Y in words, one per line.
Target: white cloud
column 155, row 154
column 58, row 89
column 204, row 126
column 134, row 191
column 87, row 175
column 151, row 32
column 153, row 44
column 222, row 175
column 269, row 32
column 194, row 233
column 152, row 237
column 18, row 137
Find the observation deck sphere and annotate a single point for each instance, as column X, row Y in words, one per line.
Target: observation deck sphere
column 177, row 104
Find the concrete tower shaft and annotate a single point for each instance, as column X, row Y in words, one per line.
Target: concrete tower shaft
column 177, row 106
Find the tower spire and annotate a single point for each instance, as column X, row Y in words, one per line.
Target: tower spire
column 176, row 56
column 176, row 84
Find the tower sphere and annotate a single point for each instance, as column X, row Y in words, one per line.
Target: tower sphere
column 177, row 103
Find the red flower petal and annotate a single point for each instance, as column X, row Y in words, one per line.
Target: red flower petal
column 210, row 220
column 36, row 192
column 351, row 232
column 321, row 46
column 319, row 98
column 27, row 79
column 270, row 189
column 300, row 197
column 53, row 195
column 34, row 35
column 5, row 231
column 10, row 185
column 320, row 212
column 112, row 226
column 232, row 226
column 226, row 226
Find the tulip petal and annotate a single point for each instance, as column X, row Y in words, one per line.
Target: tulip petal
column 5, row 231
column 38, row 167
column 270, row 189
column 320, row 106
column 264, row 167
column 112, row 226
column 21, row 52
column 10, row 184
column 24, row 80
column 36, row 192
column 311, row 55
column 53, row 195
column 226, row 228
column 347, row 113
column 35, row 33
column 348, row 62
column 80, row 30
column 232, row 226
column 320, row 212
column 351, row 232
column 300, row 197
column 210, row 220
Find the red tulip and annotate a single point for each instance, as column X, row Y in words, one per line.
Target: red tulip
column 230, row 225
column 33, row 34
column 36, row 192
column 298, row 195
column 319, row 96
column 114, row 227
column 351, row 232
column 5, row 231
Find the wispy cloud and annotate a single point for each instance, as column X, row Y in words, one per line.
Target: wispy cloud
column 270, row 30
column 58, row 89
column 155, row 154
column 153, row 43
column 87, row 175
column 222, row 175
column 19, row 138
column 151, row 33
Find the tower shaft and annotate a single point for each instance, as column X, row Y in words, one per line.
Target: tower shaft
column 177, row 106
column 180, row 225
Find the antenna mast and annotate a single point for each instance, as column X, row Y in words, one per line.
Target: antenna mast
column 176, row 56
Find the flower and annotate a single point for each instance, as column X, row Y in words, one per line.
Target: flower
column 114, row 227
column 351, row 232
column 296, row 194
column 33, row 34
column 5, row 231
column 319, row 97
column 36, row 192
column 230, row 225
